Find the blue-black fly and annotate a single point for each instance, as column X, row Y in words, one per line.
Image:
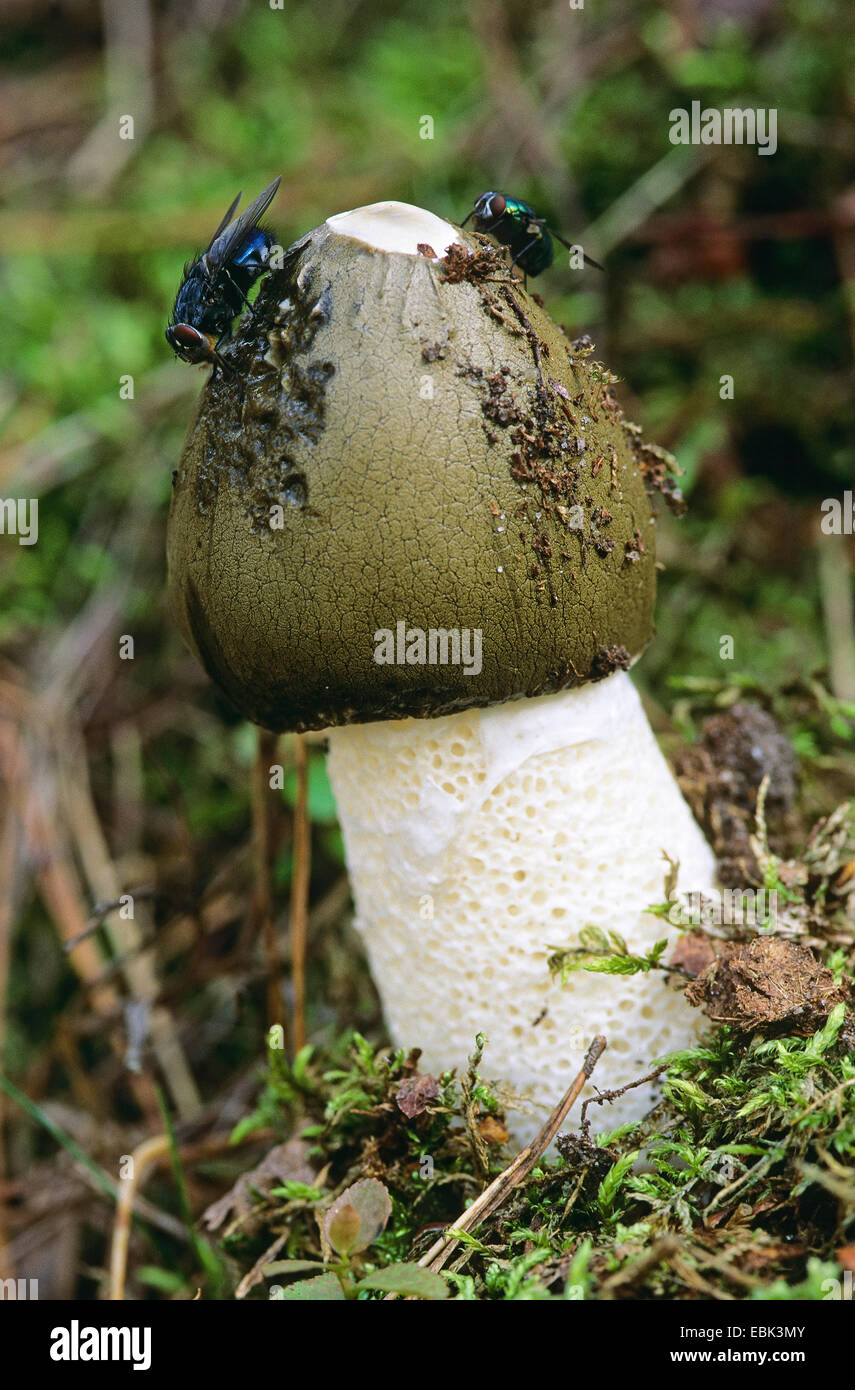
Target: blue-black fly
column 215, row 285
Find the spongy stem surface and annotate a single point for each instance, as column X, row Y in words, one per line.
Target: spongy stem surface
column 478, row 841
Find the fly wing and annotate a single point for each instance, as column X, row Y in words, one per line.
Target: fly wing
column 224, row 242
column 225, row 222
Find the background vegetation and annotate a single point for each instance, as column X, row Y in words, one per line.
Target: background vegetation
column 134, row 774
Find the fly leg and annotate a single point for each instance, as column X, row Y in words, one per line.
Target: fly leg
column 218, row 359
column 236, row 287
column 518, row 257
column 589, row 260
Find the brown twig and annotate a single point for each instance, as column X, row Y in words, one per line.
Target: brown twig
column 838, row 611
column 8, row 860
column 55, row 873
column 129, row 85
column 144, row 1157
column 300, row 891
column 661, row 1252
column 152, row 1153
column 262, row 841
column 255, row 1275
column 139, row 968
column 102, row 910
column 493, row 1196
column 602, row 1097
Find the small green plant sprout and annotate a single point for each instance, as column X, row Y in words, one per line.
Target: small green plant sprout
column 604, row 953
column 353, row 1222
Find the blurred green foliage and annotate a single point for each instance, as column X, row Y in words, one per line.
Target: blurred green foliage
column 720, row 262
column 569, row 110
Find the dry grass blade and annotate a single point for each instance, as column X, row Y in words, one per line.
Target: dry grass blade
column 126, row 933
column 300, row 891
column 262, row 838
column 142, row 1159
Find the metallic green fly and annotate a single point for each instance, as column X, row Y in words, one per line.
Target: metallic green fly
column 516, row 225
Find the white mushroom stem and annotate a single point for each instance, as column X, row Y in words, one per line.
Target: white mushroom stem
column 479, row 840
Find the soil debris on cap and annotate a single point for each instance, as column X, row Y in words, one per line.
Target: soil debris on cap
column 475, row 266
column 608, row 659
column 658, row 468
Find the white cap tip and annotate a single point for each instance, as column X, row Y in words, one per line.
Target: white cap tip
column 396, row 227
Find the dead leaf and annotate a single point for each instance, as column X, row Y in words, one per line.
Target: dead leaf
column 492, row 1131
column 415, row 1094
column 693, row 952
column 285, row 1163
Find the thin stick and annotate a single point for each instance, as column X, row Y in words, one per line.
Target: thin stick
column 603, row 1097
column 102, row 910
column 265, row 757
column 838, row 609
column 143, row 1158
column 300, row 892
column 660, row 1252
column 126, row 934
column 493, row 1196
column 28, row 791
column 9, row 850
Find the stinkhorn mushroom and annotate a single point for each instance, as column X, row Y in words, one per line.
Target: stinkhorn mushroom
column 412, row 513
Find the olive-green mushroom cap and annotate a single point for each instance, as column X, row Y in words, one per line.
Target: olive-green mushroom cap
column 406, row 443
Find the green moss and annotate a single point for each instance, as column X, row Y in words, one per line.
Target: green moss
column 740, row 1190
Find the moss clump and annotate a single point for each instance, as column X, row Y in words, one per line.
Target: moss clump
column 744, row 1191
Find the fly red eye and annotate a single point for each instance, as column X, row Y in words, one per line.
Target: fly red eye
column 498, row 204
column 190, row 344
column 187, row 336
